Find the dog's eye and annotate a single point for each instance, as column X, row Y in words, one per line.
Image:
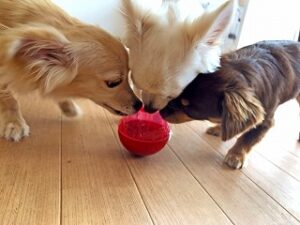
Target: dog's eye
column 113, row 83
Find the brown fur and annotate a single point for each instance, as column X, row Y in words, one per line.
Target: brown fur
column 243, row 110
column 42, row 48
column 244, row 94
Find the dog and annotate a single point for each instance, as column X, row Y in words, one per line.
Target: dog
column 42, row 48
column 168, row 50
column 242, row 95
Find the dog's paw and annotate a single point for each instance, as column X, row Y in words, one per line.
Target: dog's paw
column 214, row 131
column 14, row 130
column 235, row 160
column 70, row 109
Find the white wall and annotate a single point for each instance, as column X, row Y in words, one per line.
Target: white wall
column 104, row 13
column 264, row 20
column 270, row 20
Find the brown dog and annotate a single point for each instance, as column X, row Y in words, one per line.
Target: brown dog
column 42, row 48
column 243, row 95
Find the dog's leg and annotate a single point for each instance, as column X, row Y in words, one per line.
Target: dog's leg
column 236, row 156
column 70, row 108
column 12, row 124
column 214, row 131
column 298, row 100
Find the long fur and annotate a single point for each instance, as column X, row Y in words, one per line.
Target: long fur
column 242, row 95
column 43, row 48
column 242, row 111
column 168, row 50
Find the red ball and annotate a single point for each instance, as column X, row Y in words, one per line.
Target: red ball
column 143, row 134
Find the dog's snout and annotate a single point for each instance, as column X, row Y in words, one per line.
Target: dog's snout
column 137, row 105
column 173, row 105
column 165, row 112
column 149, row 108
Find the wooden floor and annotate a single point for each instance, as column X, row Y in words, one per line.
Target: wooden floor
column 77, row 173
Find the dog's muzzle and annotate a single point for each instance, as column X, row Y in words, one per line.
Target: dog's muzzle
column 149, row 108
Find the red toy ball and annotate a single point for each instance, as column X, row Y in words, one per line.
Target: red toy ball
column 143, row 134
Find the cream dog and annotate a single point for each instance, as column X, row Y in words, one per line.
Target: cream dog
column 42, row 48
column 168, row 50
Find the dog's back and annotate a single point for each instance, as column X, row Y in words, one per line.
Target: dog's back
column 15, row 12
column 242, row 95
column 270, row 68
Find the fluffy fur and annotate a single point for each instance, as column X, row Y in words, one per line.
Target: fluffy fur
column 42, row 48
column 168, row 50
column 243, row 95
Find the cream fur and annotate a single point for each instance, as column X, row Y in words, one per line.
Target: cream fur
column 168, row 49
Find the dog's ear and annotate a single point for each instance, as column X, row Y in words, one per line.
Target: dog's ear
column 205, row 33
column 46, row 55
column 138, row 21
column 209, row 28
column 241, row 111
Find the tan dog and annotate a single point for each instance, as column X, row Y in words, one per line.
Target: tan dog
column 168, row 51
column 42, row 48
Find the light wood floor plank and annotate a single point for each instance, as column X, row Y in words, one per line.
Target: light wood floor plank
column 280, row 145
column 241, row 199
column 30, row 169
column 99, row 179
column 171, row 193
column 274, row 181
column 285, row 131
column 284, row 160
column 97, row 186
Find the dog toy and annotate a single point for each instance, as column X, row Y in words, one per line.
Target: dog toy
column 143, row 134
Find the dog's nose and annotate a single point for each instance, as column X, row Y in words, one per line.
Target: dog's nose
column 150, row 109
column 137, row 105
column 164, row 112
column 167, row 111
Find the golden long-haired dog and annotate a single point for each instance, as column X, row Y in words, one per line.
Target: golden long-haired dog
column 168, row 50
column 42, row 48
column 242, row 95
